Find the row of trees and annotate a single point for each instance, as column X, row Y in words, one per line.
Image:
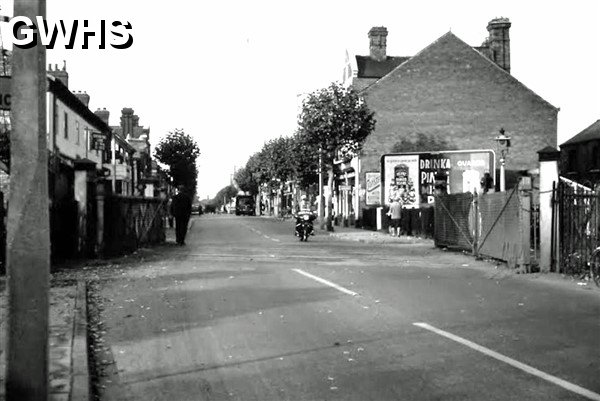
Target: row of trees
column 333, row 123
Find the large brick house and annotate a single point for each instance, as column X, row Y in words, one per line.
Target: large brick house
column 580, row 157
column 449, row 90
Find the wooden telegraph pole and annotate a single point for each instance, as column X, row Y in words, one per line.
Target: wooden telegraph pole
column 28, row 238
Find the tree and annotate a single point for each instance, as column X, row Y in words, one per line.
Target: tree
column 179, row 151
column 305, row 160
column 335, row 121
column 224, row 196
column 245, row 181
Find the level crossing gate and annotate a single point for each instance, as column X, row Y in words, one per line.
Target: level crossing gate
column 495, row 225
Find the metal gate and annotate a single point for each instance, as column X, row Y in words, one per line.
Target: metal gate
column 577, row 216
column 496, row 225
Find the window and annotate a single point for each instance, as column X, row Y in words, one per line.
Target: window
column 595, row 156
column 77, row 131
column 66, row 126
column 572, row 160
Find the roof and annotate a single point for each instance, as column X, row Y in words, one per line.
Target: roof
column 65, row 95
column 589, row 134
column 370, row 68
column 441, row 41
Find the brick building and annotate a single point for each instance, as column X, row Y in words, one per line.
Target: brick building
column 580, row 157
column 145, row 174
column 448, row 90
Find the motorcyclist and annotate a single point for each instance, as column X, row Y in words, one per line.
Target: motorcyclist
column 303, row 208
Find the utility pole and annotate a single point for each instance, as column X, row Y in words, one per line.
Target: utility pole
column 28, row 240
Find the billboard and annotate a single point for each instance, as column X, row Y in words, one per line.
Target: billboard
column 373, row 192
column 413, row 176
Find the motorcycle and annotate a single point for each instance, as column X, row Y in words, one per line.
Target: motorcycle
column 304, row 225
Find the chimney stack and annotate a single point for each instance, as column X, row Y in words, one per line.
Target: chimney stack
column 377, row 43
column 83, row 98
column 499, row 42
column 61, row 75
column 127, row 121
column 103, row 114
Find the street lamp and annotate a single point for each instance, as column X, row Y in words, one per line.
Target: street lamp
column 503, row 142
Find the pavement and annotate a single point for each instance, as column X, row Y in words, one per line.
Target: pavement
column 379, row 237
column 68, row 364
column 69, row 376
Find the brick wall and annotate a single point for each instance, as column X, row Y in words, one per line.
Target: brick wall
column 449, row 90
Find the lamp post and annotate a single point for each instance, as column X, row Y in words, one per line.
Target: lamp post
column 503, row 142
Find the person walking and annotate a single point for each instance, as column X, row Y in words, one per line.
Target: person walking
column 396, row 215
column 181, row 209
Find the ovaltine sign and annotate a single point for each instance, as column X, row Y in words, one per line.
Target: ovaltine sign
column 413, row 176
column 5, row 99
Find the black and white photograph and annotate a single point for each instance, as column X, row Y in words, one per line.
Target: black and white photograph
column 299, row 200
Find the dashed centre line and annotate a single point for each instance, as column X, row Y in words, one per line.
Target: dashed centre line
column 514, row 363
column 326, row 282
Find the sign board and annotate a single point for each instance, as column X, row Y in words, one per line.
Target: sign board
column 5, row 96
column 344, row 187
column 413, row 177
column 373, row 189
column 98, row 140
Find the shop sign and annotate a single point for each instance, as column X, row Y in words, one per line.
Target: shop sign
column 98, row 140
column 373, row 188
column 413, row 177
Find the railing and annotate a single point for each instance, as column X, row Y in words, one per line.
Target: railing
column 131, row 222
column 578, row 227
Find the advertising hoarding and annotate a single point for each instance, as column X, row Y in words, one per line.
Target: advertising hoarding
column 373, row 191
column 413, row 177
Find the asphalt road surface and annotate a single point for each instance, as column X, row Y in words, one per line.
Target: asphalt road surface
column 245, row 311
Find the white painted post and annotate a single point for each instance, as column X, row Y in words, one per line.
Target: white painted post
column 548, row 158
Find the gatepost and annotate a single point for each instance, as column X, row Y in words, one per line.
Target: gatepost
column 524, row 194
column 548, row 158
column 100, row 195
column 84, row 172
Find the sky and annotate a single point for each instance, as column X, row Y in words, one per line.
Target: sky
column 230, row 73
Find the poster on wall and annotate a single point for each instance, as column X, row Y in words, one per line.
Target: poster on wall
column 373, row 191
column 415, row 175
column 400, row 179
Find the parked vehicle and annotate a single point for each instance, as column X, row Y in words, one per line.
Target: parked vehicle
column 196, row 208
column 245, row 204
column 304, row 225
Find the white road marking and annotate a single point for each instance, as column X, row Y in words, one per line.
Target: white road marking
column 519, row 365
column 326, row 282
column 274, row 239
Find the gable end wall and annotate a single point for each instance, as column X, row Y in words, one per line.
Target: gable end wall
column 451, row 91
